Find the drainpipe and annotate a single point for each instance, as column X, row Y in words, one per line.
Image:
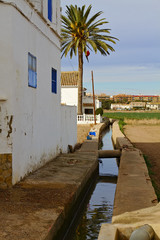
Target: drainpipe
column 145, row 232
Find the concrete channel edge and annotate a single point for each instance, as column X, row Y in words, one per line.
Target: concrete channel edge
column 88, row 148
column 135, row 201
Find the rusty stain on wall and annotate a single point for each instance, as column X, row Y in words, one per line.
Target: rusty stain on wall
column 10, row 126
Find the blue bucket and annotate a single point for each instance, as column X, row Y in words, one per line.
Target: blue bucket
column 92, row 133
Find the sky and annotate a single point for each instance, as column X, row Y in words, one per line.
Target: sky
column 134, row 67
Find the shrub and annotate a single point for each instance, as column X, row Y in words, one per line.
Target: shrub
column 99, row 111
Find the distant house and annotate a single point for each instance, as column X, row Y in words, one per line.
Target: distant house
column 69, row 93
column 120, row 106
column 88, row 107
column 132, row 105
column 153, row 105
column 133, row 98
column 34, row 127
column 140, row 105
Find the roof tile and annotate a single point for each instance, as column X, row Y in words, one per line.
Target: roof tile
column 69, row 78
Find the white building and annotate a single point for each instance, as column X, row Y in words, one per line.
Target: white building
column 138, row 105
column 34, row 127
column 153, row 105
column 88, row 104
column 132, row 105
column 69, row 88
column 69, row 93
column 120, row 106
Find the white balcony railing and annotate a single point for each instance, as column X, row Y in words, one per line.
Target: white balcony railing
column 87, row 119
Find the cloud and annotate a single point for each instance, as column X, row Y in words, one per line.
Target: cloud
column 135, row 64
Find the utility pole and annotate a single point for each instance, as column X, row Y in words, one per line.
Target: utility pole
column 93, row 99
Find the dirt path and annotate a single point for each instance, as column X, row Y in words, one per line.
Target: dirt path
column 147, row 139
column 82, row 132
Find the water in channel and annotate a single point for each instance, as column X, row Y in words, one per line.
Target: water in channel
column 99, row 207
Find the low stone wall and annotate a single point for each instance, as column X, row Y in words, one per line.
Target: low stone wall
column 5, row 170
column 118, row 138
column 134, row 188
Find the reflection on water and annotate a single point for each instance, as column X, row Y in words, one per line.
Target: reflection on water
column 100, row 205
column 108, row 166
column 98, row 211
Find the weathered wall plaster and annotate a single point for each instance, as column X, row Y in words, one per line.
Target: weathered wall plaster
column 31, row 118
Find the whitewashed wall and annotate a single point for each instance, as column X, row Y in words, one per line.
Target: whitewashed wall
column 69, row 130
column 69, row 96
column 36, row 132
column 6, row 73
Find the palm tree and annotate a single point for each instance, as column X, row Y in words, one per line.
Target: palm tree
column 81, row 34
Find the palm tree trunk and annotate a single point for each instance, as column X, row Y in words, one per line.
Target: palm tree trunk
column 80, row 82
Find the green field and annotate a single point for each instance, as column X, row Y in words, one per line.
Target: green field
column 132, row 115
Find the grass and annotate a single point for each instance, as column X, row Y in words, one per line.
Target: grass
column 132, row 115
column 151, row 174
column 121, row 125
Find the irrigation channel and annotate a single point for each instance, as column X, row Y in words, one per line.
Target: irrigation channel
column 98, row 205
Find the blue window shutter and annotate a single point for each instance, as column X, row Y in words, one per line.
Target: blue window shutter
column 53, row 87
column 30, row 78
column 35, row 79
column 54, row 80
column 32, row 71
column 50, row 10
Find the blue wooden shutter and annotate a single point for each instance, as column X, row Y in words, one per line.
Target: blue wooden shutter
column 54, row 80
column 50, row 10
column 32, row 71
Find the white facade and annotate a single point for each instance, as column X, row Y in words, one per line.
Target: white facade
column 88, row 104
column 153, row 106
column 138, row 104
column 31, row 119
column 119, row 106
column 69, row 95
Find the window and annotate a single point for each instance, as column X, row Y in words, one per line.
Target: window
column 54, row 81
column 32, row 71
column 50, row 10
column 88, row 111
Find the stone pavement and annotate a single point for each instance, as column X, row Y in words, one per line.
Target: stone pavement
column 36, row 208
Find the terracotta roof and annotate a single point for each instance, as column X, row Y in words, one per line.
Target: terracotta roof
column 69, row 78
